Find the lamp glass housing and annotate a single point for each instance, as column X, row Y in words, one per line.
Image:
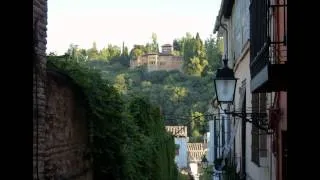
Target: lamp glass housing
column 225, row 84
column 225, row 89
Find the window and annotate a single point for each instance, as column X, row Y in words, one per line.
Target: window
column 259, row 138
column 177, row 149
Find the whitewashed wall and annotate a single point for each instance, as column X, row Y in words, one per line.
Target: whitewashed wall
column 210, row 155
column 194, row 170
column 182, row 158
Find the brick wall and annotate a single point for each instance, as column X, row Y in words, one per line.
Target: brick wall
column 39, row 77
column 67, row 131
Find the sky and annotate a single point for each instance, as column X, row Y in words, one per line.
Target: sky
column 82, row 22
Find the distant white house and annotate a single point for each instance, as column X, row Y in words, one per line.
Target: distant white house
column 195, row 153
column 181, row 139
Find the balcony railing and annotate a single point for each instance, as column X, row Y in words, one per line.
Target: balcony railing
column 268, row 46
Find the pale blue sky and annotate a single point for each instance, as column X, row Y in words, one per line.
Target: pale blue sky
column 113, row 21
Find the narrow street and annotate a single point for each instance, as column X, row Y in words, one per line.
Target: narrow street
column 193, row 90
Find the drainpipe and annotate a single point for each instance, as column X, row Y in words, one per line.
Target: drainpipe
column 226, row 30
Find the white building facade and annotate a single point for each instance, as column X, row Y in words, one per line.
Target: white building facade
column 252, row 148
column 181, row 139
column 182, row 154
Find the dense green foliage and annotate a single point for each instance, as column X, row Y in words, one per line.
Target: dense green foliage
column 180, row 96
column 128, row 138
column 183, row 176
column 199, row 58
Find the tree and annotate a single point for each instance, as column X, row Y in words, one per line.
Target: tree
column 52, row 54
column 120, row 83
column 104, row 54
column 154, row 45
column 114, row 51
column 138, row 50
column 93, row 52
column 124, row 59
column 196, row 66
column 177, row 46
column 200, row 51
column 213, row 53
column 83, row 52
column 197, row 123
column 178, row 94
column 76, row 54
column 149, row 48
column 188, row 51
column 124, row 51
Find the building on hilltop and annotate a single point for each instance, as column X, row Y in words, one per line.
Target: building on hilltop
column 164, row 60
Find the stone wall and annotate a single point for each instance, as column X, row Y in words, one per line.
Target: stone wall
column 67, row 145
column 39, row 78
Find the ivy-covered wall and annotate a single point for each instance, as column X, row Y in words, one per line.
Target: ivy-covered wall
column 67, row 133
column 128, row 137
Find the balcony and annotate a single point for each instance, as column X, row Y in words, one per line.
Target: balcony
column 268, row 61
column 268, row 75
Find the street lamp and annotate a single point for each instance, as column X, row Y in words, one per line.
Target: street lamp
column 225, row 87
column 204, row 162
column 225, row 84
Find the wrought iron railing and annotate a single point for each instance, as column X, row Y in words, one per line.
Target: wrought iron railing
column 266, row 47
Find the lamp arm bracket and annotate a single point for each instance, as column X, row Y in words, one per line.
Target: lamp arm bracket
column 243, row 115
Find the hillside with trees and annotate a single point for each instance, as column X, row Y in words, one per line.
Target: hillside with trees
column 181, row 97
